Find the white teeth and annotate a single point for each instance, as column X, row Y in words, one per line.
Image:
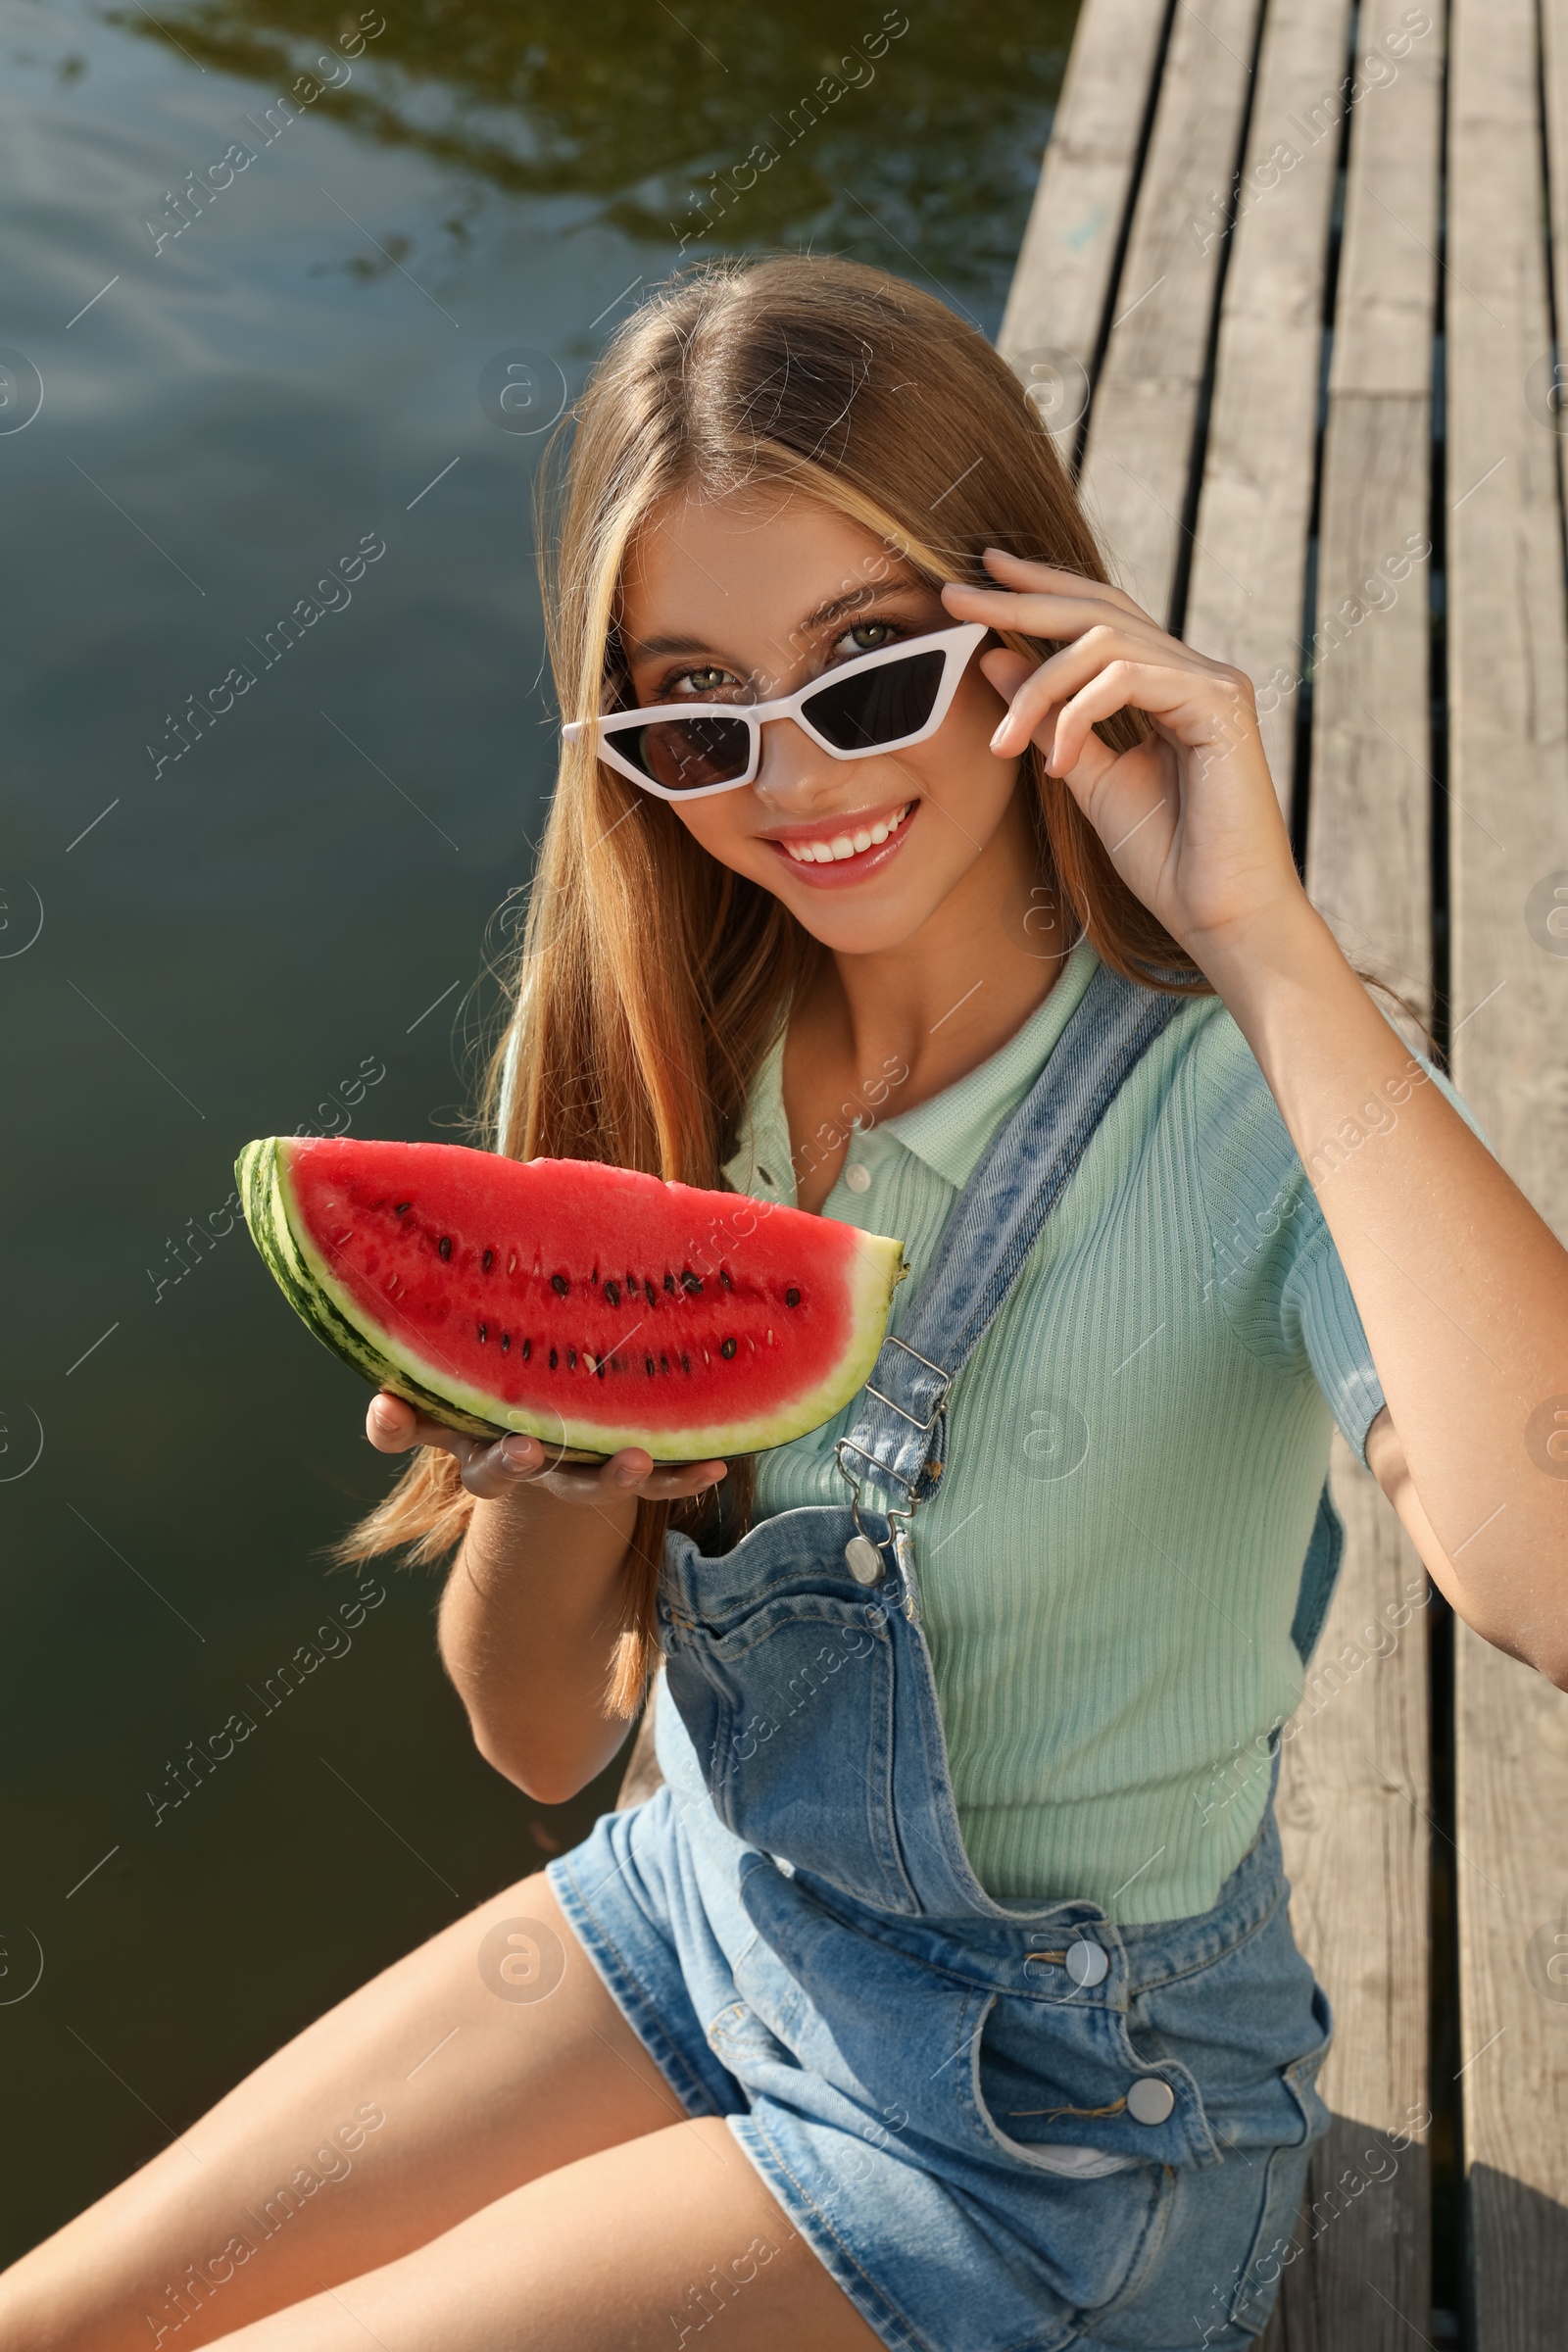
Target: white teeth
column 843, row 845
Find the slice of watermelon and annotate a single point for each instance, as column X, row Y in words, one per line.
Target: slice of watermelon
column 590, row 1306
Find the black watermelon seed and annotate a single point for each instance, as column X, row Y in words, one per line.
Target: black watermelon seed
column 559, row 1284
column 792, row 1297
column 554, row 1359
column 506, row 1341
column 444, row 1245
column 488, row 1260
column 613, row 1293
column 723, row 1276
column 653, row 1294
column 527, row 1350
column 685, row 1363
column 402, row 1210
column 481, row 1335
column 692, row 1284
column 669, row 1282
column 571, row 1359
column 728, row 1347
column 648, row 1366
column 663, row 1363
column 598, row 1369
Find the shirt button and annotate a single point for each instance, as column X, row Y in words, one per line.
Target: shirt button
column 1150, row 2099
column 857, row 1177
column 1087, row 1963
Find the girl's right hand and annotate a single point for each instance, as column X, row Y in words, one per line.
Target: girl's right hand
column 495, row 1469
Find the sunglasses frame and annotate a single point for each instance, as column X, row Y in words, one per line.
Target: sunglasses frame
column 958, row 647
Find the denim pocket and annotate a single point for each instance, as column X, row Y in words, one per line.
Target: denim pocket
column 790, row 1709
column 1273, row 2247
column 1046, row 2088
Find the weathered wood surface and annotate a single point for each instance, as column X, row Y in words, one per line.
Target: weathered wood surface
column 1353, row 1806
column 1355, row 1812
column 1249, row 561
column 1355, row 1794
column 1369, row 828
column 1056, row 308
column 1508, row 836
column 1138, row 458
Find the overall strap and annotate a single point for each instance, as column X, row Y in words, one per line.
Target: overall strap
column 897, row 1440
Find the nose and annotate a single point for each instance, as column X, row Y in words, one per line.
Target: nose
column 794, row 777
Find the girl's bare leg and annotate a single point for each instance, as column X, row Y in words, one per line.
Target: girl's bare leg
column 644, row 2244
column 480, row 2086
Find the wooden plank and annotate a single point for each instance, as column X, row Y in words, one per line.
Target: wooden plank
column 1063, row 282
column 1354, row 1813
column 1369, row 828
column 1144, row 413
column 1248, row 576
column 1554, row 91
column 1352, row 1808
column 1508, row 681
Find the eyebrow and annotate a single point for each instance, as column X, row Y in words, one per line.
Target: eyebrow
column 645, row 649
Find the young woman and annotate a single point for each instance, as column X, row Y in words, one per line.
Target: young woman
column 944, row 1995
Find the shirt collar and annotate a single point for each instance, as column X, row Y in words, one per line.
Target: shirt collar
column 950, row 1132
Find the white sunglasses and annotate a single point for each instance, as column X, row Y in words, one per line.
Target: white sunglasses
column 880, row 702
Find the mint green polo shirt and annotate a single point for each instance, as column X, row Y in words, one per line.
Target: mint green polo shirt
column 1136, row 1450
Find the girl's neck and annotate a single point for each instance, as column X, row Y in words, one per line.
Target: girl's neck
column 887, row 1030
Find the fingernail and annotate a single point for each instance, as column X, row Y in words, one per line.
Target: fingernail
column 625, row 1477
column 995, row 740
column 516, row 1453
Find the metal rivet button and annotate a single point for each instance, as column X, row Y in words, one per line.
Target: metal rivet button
column 863, row 1560
column 857, row 1177
column 1150, row 2099
column 1087, row 1963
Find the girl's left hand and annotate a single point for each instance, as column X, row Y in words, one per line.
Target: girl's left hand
column 1190, row 815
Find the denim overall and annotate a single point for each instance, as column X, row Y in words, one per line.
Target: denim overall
column 999, row 2125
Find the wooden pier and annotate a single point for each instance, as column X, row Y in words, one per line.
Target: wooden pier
column 1289, row 300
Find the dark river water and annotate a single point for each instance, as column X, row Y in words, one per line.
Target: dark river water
column 271, row 345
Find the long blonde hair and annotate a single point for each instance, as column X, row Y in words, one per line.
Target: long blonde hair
column 652, row 980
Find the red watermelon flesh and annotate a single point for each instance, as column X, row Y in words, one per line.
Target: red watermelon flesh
column 589, row 1305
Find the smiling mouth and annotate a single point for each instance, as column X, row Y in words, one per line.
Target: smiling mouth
column 853, row 841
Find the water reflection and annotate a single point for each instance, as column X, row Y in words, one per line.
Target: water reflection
column 723, row 124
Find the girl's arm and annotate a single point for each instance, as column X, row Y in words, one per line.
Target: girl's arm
column 536, row 1596
column 1462, row 1289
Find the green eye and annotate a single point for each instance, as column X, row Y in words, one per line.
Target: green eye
column 704, row 681
column 870, row 636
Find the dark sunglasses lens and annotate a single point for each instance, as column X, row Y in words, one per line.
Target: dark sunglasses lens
column 880, row 706
column 685, row 754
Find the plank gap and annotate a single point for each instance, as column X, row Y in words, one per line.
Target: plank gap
column 1146, row 132
column 1187, row 533
column 1449, row 2288
column 1299, row 790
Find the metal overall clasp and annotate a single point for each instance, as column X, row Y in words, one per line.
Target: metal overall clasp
column 862, row 1554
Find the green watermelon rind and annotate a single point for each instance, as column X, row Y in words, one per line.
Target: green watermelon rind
column 264, row 1203
column 328, row 1307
